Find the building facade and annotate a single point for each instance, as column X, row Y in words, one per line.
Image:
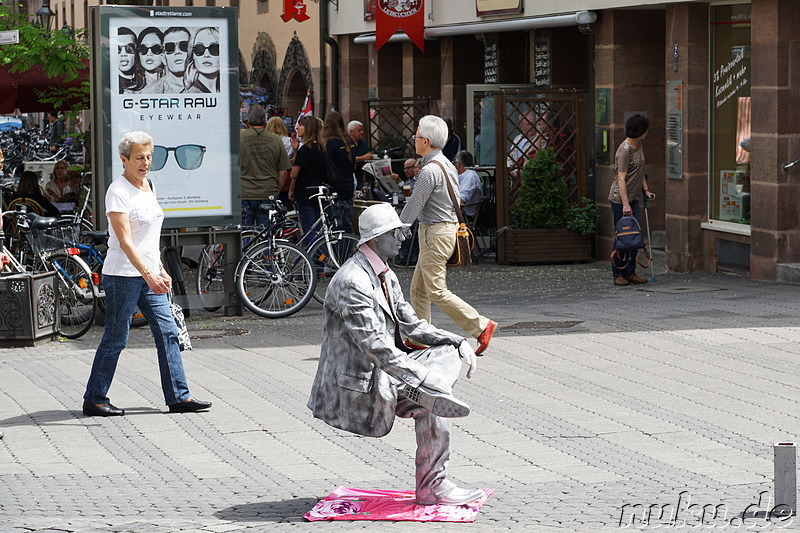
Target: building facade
column 716, row 79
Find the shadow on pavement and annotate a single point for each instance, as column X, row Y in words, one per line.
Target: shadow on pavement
column 43, row 418
column 275, row 511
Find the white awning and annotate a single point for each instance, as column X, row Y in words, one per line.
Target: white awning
column 494, row 26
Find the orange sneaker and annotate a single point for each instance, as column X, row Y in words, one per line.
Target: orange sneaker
column 485, row 337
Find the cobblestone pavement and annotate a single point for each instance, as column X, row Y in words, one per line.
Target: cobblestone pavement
column 593, row 403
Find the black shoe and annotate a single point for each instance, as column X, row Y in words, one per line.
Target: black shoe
column 90, row 409
column 438, row 403
column 189, row 406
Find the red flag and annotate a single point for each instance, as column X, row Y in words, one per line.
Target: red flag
column 308, row 108
column 407, row 16
column 294, row 9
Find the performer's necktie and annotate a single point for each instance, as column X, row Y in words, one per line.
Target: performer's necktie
column 398, row 341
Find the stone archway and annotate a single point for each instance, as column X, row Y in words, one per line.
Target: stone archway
column 296, row 78
column 263, row 73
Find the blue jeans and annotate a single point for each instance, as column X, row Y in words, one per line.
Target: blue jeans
column 308, row 213
column 341, row 212
column 123, row 294
column 628, row 269
column 252, row 215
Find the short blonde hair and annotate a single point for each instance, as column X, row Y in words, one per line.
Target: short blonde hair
column 276, row 126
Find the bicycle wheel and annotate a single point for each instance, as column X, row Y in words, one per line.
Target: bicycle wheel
column 210, row 275
column 327, row 261
column 77, row 305
column 275, row 280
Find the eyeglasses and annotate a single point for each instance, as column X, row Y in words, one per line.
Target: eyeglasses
column 418, row 137
column 200, row 49
column 155, row 49
column 188, row 156
column 409, row 168
column 170, row 47
column 129, row 48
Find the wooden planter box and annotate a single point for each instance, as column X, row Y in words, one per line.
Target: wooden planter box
column 544, row 246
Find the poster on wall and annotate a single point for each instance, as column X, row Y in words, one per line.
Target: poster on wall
column 173, row 73
column 497, row 7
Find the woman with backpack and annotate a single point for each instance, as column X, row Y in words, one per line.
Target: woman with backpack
column 625, row 188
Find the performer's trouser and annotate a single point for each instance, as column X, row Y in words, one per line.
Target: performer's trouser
column 429, row 283
column 433, row 432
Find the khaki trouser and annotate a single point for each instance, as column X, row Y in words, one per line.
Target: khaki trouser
column 429, row 284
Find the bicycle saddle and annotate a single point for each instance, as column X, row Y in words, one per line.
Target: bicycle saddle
column 38, row 222
column 98, row 237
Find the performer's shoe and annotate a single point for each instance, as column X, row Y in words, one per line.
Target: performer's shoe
column 485, row 337
column 189, row 406
column 621, row 281
column 438, row 403
column 456, row 496
column 636, row 280
column 413, row 345
column 90, row 409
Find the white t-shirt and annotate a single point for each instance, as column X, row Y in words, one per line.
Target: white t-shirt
column 146, row 218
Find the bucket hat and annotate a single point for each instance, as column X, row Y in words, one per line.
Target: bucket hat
column 376, row 220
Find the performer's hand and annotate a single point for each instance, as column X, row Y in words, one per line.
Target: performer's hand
column 437, row 382
column 468, row 355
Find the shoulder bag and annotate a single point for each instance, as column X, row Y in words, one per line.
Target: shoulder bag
column 465, row 240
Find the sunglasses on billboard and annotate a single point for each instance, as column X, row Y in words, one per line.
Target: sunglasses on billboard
column 200, row 49
column 170, row 47
column 129, row 48
column 188, row 156
column 155, row 49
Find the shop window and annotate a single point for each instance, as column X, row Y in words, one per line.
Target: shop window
column 729, row 187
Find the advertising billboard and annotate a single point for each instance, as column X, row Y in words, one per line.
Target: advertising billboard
column 173, row 73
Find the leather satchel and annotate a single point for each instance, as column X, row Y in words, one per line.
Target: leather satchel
column 465, row 239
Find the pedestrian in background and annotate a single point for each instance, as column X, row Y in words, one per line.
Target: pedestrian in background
column 277, row 126
column 361, row 151
column 134, row 276
column 308, row 170
column 264, row 166
column 431, row 204
column 339, row 147
column 628, row 183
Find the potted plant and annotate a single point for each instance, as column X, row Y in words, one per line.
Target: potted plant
column 544, row 227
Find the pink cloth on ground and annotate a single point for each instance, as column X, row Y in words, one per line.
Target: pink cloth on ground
column 360, row 504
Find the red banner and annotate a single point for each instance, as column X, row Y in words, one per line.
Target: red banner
column 294, row 9
column 407, row 16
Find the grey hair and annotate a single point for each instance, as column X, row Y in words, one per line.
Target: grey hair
column 434, row 129
column 131, row 138
column 352, row 125
column 257, row 116
column 465, row 158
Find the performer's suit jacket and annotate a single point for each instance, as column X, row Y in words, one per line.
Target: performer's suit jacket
column 360, row 367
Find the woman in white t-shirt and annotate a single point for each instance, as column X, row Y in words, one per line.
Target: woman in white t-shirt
column 133, row 275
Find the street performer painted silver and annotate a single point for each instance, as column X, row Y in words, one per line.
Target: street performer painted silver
column 367, row 375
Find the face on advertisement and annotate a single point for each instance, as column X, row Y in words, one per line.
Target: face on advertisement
column 206, row 52
column 176, row 51
column 150, row 52
column 126, row 47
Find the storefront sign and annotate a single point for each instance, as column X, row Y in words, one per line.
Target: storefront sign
column 490, row 61
column 497, row 7
column 407, row 16
column 294, row 9
column 369, row 10
column 173, row 73
column 541, row 62
column 675, row 129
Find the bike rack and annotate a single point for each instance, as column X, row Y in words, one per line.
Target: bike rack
column 232, row 239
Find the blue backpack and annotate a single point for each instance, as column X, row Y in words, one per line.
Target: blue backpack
column 628, row 239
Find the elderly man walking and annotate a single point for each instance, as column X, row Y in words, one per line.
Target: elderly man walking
column 367, row 376
column 431, row 203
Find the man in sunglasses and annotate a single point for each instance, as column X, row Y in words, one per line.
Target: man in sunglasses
column 367, row 376
column 176, row 53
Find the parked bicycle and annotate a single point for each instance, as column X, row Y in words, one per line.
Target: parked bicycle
column 48, row 249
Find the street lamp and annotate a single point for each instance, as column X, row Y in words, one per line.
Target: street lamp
column 44, row 15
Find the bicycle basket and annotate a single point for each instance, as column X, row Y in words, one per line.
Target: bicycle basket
column 54, row 239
